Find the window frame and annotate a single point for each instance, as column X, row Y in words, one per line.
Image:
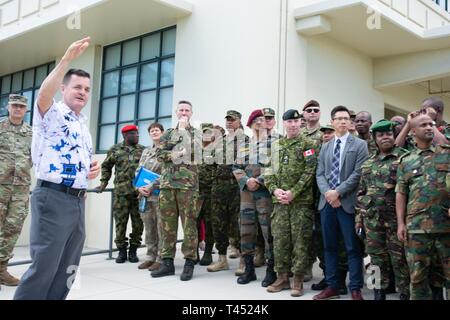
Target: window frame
column 50, row 66
column 137, row 92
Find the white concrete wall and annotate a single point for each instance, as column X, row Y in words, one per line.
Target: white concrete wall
column 409, row 98
column 227, row 57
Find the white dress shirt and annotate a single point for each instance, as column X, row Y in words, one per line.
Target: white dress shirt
column 343, row 142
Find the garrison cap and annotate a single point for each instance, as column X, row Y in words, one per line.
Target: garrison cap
column 268, row 112
column 18, row 99
column 206, row 126
column 327, row 127
column 233, row 114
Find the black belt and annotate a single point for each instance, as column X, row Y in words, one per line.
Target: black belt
column 80, row 193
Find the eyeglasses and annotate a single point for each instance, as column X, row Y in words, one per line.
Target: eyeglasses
column 312, row 110
column 341, row 119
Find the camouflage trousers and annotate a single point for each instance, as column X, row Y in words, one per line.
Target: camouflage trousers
column 384, row 249
column 255, row 206
column 318, row 249
column 292, row 227
column 206, row 215
column 174, row 203
column 151, row 219
column 419, row 251
column 14, row 201
column 225, row 220
column 125, row 207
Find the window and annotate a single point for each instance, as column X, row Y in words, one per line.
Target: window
column 26, row 83
column 137, row 86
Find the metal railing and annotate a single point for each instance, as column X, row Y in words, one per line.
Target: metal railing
column 110, row 246
column 443, row 4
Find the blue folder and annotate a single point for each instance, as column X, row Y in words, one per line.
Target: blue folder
column 144, row 177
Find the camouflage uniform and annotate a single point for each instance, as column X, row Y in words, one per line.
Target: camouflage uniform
column 421, row 176
column 225, row 192
column 256, row 206
column 372, row 146
column 15, row 165
column 125, row 159
column 375, row 209
column 292, row 224
column 151, row 216
column 206, row 174
column 179, row 190
column 445, row 129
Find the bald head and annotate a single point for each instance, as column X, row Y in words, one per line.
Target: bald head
column 416, row 121
column 363, row 121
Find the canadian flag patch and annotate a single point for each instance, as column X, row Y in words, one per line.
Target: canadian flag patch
column 308, row 153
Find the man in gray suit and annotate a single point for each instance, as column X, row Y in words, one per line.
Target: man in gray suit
column 338, row 174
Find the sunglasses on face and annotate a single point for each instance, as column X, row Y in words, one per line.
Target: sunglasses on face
column 312, row 110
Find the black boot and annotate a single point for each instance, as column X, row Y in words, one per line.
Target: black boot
column 437, row 293
column 342, row 276
column 391, row 287
column 271, row 276
column 404, row 296
column 249, row 274
column 166, row 268
column 122, row 257
column 207, row 256
column 188, row 270
column 379, row 295
column 132, row 256
column 319, row 286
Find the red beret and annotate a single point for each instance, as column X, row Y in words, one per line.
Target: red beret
column 255, row 114
column 129, row 128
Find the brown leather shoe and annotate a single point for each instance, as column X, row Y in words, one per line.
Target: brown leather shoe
column 327, row 293
column 356, row 295
column 154, row 266
column 146, row 264
column 7, row 279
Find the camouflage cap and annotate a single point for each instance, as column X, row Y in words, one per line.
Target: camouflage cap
column 382, row 126
column 327, row 127
column 233, row 114
column 352, row 113
column 18, row 99
column 268, row 112
column 206, row 126
column 291, row 114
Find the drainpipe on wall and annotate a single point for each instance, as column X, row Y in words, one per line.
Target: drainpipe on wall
column 282, row 63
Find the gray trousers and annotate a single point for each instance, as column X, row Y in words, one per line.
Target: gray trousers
column 57, row 237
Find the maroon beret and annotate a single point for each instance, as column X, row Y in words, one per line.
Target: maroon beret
column 255, row 114
column 129, row 128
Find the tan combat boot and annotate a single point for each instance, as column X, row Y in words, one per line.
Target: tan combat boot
column 309, row 275
column 234, row 253
column 221, row 264
column 297, row 287
column 241, row 269
column 259, row 257
column 281, row 283
column 6, row 278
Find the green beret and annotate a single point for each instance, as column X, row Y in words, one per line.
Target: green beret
column 382, row 126
column 291, row 114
